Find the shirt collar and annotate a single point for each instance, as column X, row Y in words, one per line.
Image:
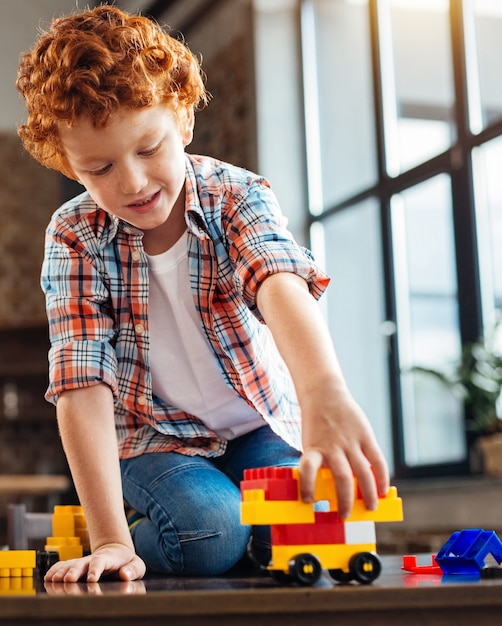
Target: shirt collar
column 194, row 214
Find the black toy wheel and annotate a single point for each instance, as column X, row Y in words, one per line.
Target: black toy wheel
column 365, row 567
column 340, row 576
column 305, row 569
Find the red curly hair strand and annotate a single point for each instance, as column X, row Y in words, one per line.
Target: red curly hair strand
column 94, row 63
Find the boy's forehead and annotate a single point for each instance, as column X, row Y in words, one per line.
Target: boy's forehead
column 139, row 115
column 129, row 127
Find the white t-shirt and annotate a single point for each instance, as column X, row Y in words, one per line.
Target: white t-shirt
column 185, row 371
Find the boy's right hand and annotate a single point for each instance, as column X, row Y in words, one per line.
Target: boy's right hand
column 106, row 560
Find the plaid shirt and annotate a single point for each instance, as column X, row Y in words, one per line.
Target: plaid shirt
column 95, row 279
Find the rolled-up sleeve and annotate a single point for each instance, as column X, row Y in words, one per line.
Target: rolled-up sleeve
column 81, row 329
column 261, row 245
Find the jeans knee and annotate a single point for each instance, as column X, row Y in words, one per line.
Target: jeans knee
column 213, row 552
column 201, row 552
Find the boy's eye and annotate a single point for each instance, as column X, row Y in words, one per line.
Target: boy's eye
column 151, row 151
column 101, row 171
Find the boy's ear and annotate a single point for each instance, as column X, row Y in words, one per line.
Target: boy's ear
column 187, row 125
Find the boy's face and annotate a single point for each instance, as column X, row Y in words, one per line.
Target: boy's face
column 134, row 168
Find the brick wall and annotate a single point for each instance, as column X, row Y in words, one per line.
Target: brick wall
column 226, row 128
column 28, row 195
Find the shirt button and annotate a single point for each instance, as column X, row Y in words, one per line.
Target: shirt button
column 140, row 329
column 127, row 230
column 136, row 256
column 142, row 400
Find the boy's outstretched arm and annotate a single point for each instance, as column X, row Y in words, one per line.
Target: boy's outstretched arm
column 86, row 423
column 335, row 431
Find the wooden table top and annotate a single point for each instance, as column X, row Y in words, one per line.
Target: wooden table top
column 33, row 484
column 395, row 597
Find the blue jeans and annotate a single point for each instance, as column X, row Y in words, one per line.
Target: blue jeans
column 192, row 504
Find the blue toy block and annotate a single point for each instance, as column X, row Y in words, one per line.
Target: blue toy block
column 466, row 550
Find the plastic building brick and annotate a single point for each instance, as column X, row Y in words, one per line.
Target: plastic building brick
column 70, row 536
column 466, row 550
column 66, row 547
column 410, row 565
column 17, row 563
column 45, row 560
column 306, row 540
column 18, row 586
column 69, row 521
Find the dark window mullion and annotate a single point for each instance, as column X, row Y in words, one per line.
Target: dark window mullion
column 383, row 193
column 469, row 291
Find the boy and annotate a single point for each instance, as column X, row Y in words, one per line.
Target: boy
column 186, row 342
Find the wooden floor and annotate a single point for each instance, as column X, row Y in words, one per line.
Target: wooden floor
column 394, row 598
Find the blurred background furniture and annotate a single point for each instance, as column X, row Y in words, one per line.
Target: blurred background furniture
column 24, row 492
column 24, row 527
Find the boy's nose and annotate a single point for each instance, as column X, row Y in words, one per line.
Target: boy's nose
column 133, row 179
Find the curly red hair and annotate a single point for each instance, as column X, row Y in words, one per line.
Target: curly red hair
column 94, row 63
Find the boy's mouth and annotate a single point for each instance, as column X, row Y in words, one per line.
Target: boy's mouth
column 145, row 203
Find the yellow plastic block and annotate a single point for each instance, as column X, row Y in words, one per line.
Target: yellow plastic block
column 80, row 521
column 66, row 547
column 17, row 563
column 256, row 511
column 69, row 552
column 83, row 535
column 67, row 519
column 63, row 525
column 325, row 488
column 390, row 509
column 62, row 541
column 17, row 586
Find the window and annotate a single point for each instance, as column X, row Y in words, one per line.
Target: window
column 417, row 77
column 356, row 305
column 484, row 23
column 402, row 107
column 488, row 186
column 427, row 319
column 340, row 121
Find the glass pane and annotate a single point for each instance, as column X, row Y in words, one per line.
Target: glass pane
column 356, row 309
column 488, row 36
column 427, row 319
column 280, row 128
column 345, row 87
column 417, row 76
column 488, row 188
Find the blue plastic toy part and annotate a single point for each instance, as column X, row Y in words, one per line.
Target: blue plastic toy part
column 466, row 550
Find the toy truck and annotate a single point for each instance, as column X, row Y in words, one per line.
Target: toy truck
column 307, row 538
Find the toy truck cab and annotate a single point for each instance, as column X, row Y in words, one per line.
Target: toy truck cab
column 307, row 538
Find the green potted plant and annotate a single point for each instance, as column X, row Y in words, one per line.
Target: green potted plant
column 477, row 377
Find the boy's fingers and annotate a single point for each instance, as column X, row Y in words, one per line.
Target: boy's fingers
column 310, row 463
column 135, row 570
column 372, row 481
column 381, row 474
